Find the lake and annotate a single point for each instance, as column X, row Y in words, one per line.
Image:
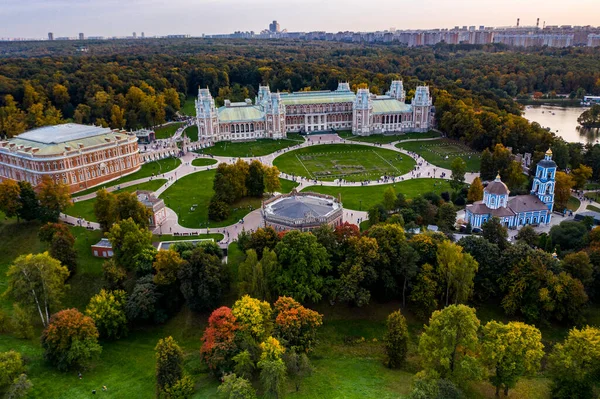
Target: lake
column 563, row 122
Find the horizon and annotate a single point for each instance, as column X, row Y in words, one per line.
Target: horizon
column 67, row 18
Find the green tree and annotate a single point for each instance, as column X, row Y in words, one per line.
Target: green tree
column 167, row 266
column 127, row 206
column 54, row 198
column 377, row 214
column 457, row 270
column 70, row 340
column 255, row 182
column 424, row 292
column 244, row 364
column 574, row 365
column 528, row 235
column 495, row 232
column 273, row 377
column 218, row 210
column 458, row 168
column 128, row 240
column 169, row 364
column 11, row 366
column 396, row 339
column 107, row 309
column 389, row 199
column 272, row 182
column 581, row 175
column 234, row 387
column 446, row 217
column 20, row 323
column 203, row 279
column 511, row 351
column 104, row 209
column 562, row 190
column 30, row 206
column 297, row 366
column 10, row 195
column 37, row 282
column 475, row 191
column 19, row 388
column 449, row 344
column 579, row 266
column 142, row 304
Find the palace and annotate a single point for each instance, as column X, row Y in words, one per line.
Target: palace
column 77, row 155
column 518, row 211
column 273, row 115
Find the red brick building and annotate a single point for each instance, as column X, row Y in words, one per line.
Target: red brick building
column 78, row 155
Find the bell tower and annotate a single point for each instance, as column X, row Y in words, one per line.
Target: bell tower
column 544, row 180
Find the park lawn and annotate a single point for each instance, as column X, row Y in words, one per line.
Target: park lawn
column 153, row 168
column 189, row 106
column 442, row 152
column 593, row 208
column 166, row 131
column 351, row 162
column 594, row 196
column 365, row 197
column 85, row 209
column 203, row 162
column 192, row 132
column 287, row 185
column 573, row 204
column 257, row 148
column 390, row 138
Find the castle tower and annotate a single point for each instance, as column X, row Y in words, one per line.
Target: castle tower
column 397, row 90
column 495, row 195
column 275, row 116
column 343, row 86
column 362, row 113
column 264, row 92
column 422, row 109
column 206, row 116
column 543, row 182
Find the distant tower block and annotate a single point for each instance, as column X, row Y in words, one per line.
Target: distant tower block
column 134, row 35
column 518, row 20
column 143, row 36
column 50, row 36
column 81, row 36
column 537, row 24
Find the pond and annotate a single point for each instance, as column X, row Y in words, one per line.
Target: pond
column 563, row 122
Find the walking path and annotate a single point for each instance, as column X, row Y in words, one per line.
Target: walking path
column 253, row 220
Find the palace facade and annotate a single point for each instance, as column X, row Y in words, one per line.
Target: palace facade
column 521, row 210
column 77, row 155
column 273, row 115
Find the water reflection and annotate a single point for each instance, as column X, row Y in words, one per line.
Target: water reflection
column 563, row 122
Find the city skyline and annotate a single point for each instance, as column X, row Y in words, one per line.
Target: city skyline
column 68, row 18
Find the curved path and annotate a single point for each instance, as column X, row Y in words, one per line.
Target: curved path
column 253, row 220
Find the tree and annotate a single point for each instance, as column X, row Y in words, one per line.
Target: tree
column 19, row 388
column 273, row 377
column 272, row 182
column 20, row 323
column 142, row 304
column 117, row 118
column 495, row 232
column 579, row 266
column 296, row 325
column 435, row 388
column 127, row 206
column 457, row 270
column 303, row 262
column 219, row 344
column 574, row 365
column 449, row 344
column 511, row 351
column 424, row 292
column 181, row 389
column 37, row 282
column 446, row 217
column 70, row 340
column 528, row 235
column 562, row 190
column 203, row 279
column 11, row 366
column 10, row 195
column 54, row 198
column 218, row 210
column 234, row 387
column 107, row 309
column 357, row 273
column 255, row 182
column 396, row 339
column 30, row 206
column 167, row 266
column 62, row 243
column 475, row 190
column 590, row 117
column 244, row 364
column 581, row 175
column 389, row 199
column 297, row 366
column 169, row 364
column 113, row 275
column 491, row 265
column 253, row 317
column 458, row 168
column 568, row 235
column 377, row 214
column 104, row 209
column 128, row 240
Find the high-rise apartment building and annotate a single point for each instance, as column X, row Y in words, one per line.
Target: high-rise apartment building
column 81, row 36
column 50, row 36
column 274, row 27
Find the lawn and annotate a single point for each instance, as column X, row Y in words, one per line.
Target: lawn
column 594, row 196
column 192, row 132
column 153, row 168
column 593, row 208
column 189, row 106
column 166, row 131
column 573, row 204
column 351, row 162
column 287, row 186
column 256, row 148
column 203, row 162
column 364, row 197
column 389, row 138
column 443, row 151
column 168, row 237
column 85, row 209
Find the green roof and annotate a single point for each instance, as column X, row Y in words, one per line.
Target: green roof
column 240, row 114
column 390, row 106
column 317, row 97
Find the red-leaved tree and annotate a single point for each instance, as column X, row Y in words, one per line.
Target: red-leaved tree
column 296, row 325
column 218, row 342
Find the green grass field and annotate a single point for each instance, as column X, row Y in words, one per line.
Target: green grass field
column 153, row 168
column 192, row 132
column 372, row 195
column 573, row 204
column 166, row 131
column 85, row 209
column 388, row 138
column 592, row 208
column 443, row 151
column 594, row 196
column 189, row 106
column 348, row 161
column 203, row 162
column 256, row 148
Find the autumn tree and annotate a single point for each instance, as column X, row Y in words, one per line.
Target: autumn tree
column 389, row 199
column 107, row 309
column 396, row 339
column 37, row 282
column 574, row 364
column 581, row 175
column 271, row 177
column 475, row 190
column 457, row 269
column 54, row 198
column 167, row 266
column 62, row 243
column 562, row 190
column 104, row 209
column 219, row 344
column 70, row 340
column 253, row 318
column 458, row 168
column 296, row 325
column 425, row 291
column 449, row 344
column 10, row 195
column 511, row 351
column 11, row 366
column 578, row 264
column 169, row 364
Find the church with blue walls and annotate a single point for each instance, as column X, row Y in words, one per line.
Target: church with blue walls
column 520, row 210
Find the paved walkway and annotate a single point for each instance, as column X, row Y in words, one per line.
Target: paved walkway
column 253, row 220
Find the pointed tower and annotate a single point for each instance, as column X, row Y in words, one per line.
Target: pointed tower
column 206, row 116
column 544, row 180
column 421, row 105
column 397, row 90
column 362, row 113
column 275, row 116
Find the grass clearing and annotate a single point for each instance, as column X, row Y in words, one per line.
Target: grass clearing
column 189, row 106
column 364, row 197
column 203, row 162
column 192, row 132
column 166, row 131
column 257, row 148
column 442, row 152
column 593, row 208
column 85, row 209
column 348, row 161
column 389, row 138
column 573, row 204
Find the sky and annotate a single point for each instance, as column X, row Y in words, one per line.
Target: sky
column 35, row 18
